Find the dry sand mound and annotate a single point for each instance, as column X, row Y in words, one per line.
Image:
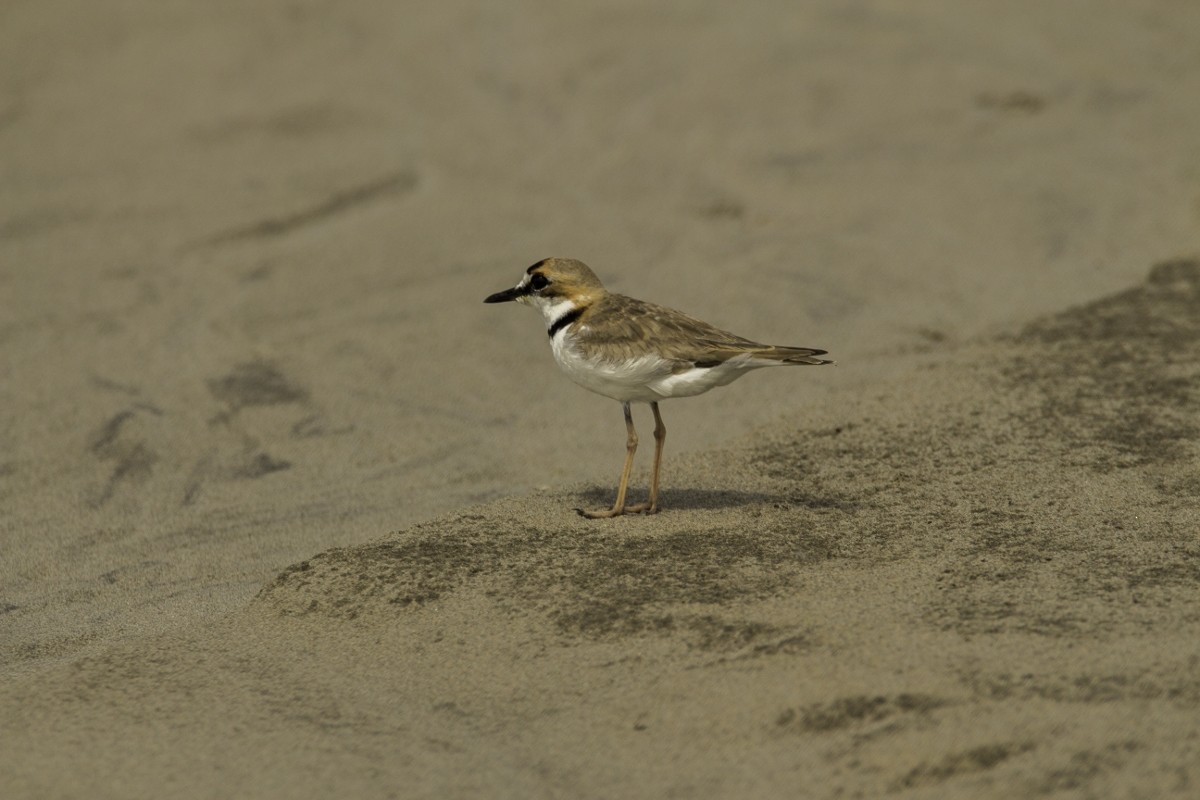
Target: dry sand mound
column 1054, row 473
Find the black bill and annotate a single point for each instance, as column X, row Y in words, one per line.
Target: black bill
column 508, row 295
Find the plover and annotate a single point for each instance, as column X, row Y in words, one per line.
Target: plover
column 636, row 352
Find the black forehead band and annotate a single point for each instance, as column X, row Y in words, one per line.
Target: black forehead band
column 535, row 266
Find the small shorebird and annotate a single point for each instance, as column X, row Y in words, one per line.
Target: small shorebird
column 636, row 352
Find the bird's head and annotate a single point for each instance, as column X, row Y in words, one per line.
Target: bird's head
column 552, row 283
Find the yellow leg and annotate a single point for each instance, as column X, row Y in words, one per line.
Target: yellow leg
column 660, row 436
column 631, row 443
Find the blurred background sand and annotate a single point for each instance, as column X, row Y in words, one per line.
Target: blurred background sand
column 243, row 250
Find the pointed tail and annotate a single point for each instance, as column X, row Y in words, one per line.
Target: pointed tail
column 793, row 355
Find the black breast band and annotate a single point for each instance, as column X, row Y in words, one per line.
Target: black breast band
column 563, row 321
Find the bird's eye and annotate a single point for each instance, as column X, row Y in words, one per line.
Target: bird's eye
column 538, row 282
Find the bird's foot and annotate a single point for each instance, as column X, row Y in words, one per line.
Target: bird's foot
column 609, row 513
column 606, row 513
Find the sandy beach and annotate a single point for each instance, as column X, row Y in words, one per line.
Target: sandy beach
column 285, row 509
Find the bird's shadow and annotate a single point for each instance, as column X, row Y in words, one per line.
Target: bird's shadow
column 697, row 499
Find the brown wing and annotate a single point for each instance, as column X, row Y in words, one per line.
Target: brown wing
column 629, row 323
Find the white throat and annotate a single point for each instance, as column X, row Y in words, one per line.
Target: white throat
column 553, row 312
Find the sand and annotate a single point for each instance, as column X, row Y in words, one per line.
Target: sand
column 287, row 510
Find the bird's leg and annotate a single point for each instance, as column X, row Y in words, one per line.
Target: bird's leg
column 660, row 436
column 631, row 443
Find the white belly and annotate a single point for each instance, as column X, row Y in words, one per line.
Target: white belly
column 646, row 379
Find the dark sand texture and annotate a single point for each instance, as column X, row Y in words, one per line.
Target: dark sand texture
column 979, row 579
column 243, row 249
